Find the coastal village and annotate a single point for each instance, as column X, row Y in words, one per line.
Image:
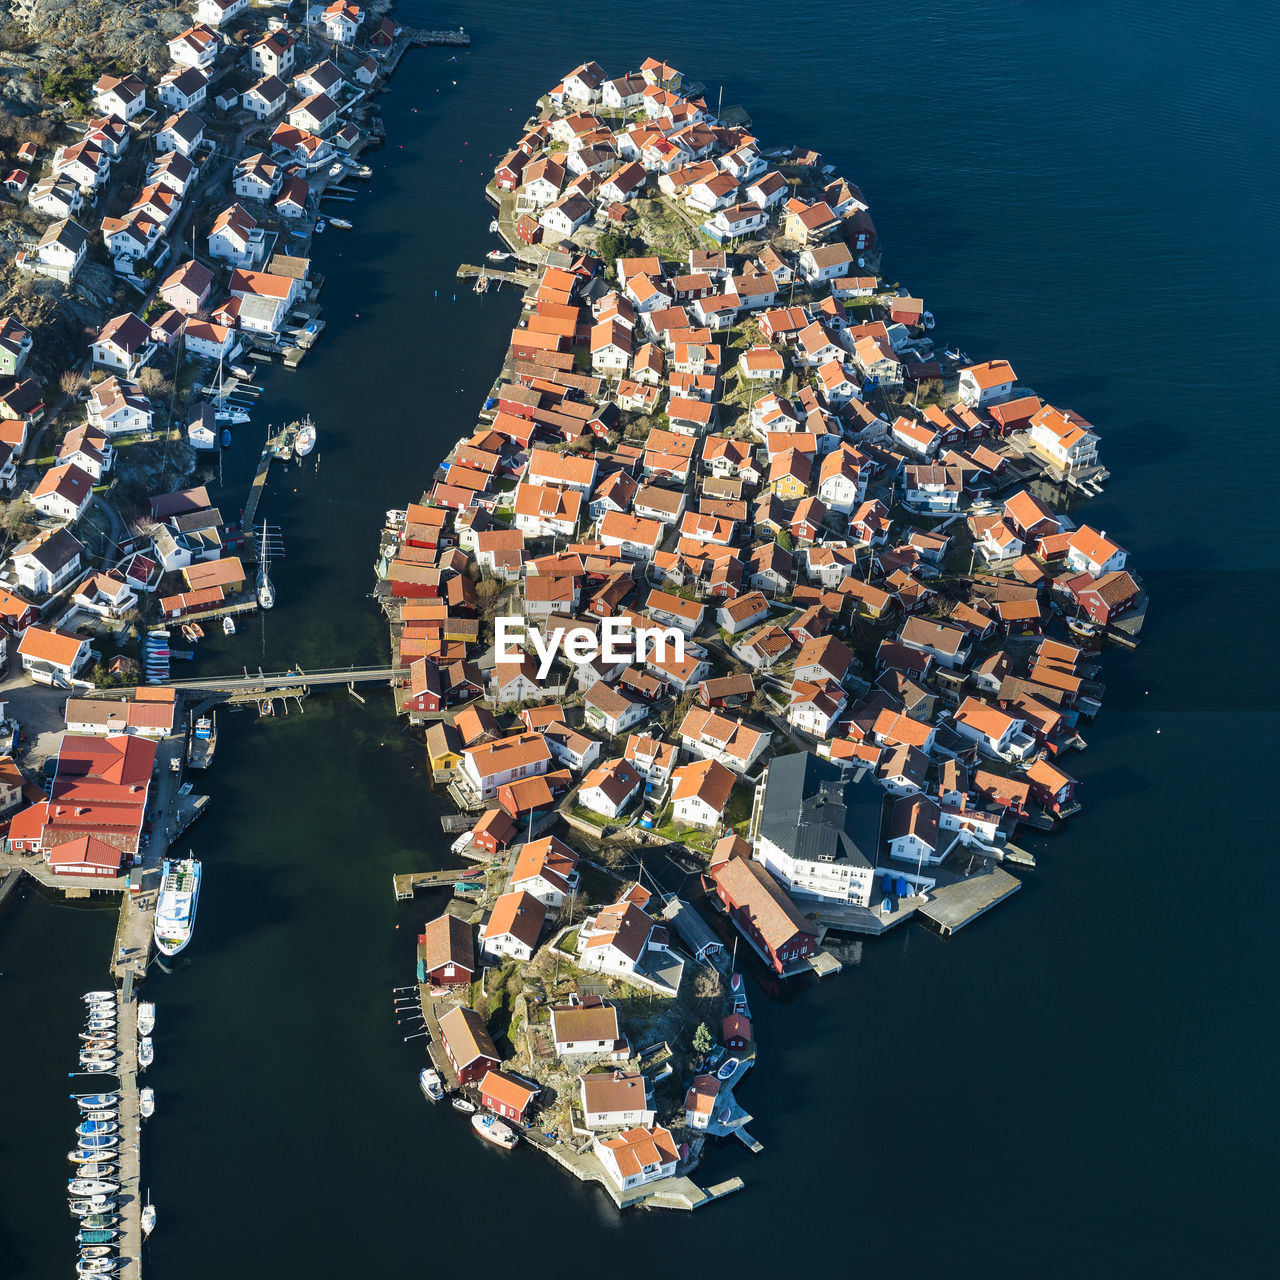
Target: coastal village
column 157, row 213
column 718, row 418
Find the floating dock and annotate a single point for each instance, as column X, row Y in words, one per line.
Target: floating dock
column 406, row 884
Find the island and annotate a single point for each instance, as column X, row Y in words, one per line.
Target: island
column 749, row 617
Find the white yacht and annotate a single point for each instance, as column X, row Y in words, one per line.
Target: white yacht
column 147, row 1103
column 176, row 907
column 146, row 1018
column 146, row 1052
column 430, row 1084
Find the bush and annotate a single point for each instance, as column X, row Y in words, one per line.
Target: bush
column 74, row 83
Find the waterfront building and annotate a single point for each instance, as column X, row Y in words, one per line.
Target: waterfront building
column 763, row 913
column 467, row 1044
column 816, row 828
column 507, row 1095
column 513, row 927
column 546, row 869
column 638, row 1156
column 447, row 951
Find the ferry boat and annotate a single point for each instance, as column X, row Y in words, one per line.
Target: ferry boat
column 491, row 1129
column 176, row 906
column 201, row 746
column 429, row 1083
column 146, row 1018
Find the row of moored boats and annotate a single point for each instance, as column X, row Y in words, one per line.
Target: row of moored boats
column 489, row 1127
column 94, row 1186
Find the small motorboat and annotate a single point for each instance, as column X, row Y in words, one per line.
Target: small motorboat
column 927, row 320
column 100, row 1222
column 103, row 1058
column 97, row 1266
column 464, row 1105
column 146, row 1018
column 101, row 1022
column 340, row 222
column 100, row 1145
column 241, row 372
column 98, row 1068
column 91, row 1187
column 481, row 285
column 148, row 1218
column 491, row 1129
column 95, row 1250
column 102, row 1116
column 147, row 1103
column 228, row 626
column 92, row 1101
column 90, row 1236
column 305, row 440
column 727, row 1068
column 84, row 1156
column 320, row 225
column 101, row 1170
column 497, row 255
column 93, row 996
column 493, row 225
column 98, row 1043
column 146, row 1052
column 430, row 1084
column 226, row 437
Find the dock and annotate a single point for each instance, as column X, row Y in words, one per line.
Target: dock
column 824, row 964
column 952, row 907
column 129, row 1165
column 407, row 883
column 522, row 279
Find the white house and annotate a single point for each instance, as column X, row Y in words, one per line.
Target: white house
column 637, row 1156
column 609, row 788
column 56, row 197
column 122, row 96
column 59, row 252
column 547, row 869
column 1089, row 551
column 183, row 88
column 699, row 793
column 996, row 733
column 1064, row 437
column 196, row 47
column 182, row 133
column 265, row 98
column 47, row 562
column 257, row 178
column 567, row 214
column 491, row 765
column 606, row 709
column 117, row 406
column 586, row 1028
column 272, row 54
column 316, row 114
column 124, row 344
column 737, row 221
column 916, row 834
column 236, row 238
column 513, row 927
column 614, row 1100
column 64, row 492
column 341, row 20
column 988, row 383
column 219, row 12
column 51, row 656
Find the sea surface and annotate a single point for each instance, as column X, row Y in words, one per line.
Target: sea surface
column 1082, row 1084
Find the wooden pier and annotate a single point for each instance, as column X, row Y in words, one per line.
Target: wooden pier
column 407, row 882
column 521, row 278
column 953, row 906
column 129, row 1165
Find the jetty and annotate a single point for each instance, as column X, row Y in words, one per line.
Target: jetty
column 407, row 883
column 953, row 906
column 520, row 277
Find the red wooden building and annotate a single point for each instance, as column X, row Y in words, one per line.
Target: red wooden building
column 447, row 951
column 507, row 1096
column 763, row 913
column 467, row 1044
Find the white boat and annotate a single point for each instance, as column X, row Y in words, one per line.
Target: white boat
column 106, row 997
column 92, row 1128
column 91, row 1101
column 340, row 222
column 320, row 225
column 95, row 1204
column 230, row 415
column 305, row 440
column 147, row 1103
column 146, row 1018
column 98, row 1068
column 266, row 592
column 90, row 1155
column 95, row 1169
column 464, row 1104
column 97, row 1266
column 148, row 1218
column 430, row 1084
column 96, row 1251
column 100, row 1116
column 491, row 1129
column 176, row 907
column 493, row 225
column 146, row 1052
column 497, row 255
column 228, row 626
column 91, row 1187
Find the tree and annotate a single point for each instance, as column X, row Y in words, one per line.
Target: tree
column 784, row 540
column 702, row 1039
column 72, row 382
column 613, row 244
column 18, row 518
column 571, row 907
column 153, row 382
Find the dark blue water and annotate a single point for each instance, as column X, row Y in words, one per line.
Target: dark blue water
column 1080, row 1084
